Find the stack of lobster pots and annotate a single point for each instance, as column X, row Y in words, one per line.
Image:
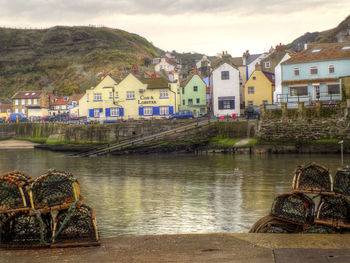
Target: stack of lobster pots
column 295, row 212
column 44, row 212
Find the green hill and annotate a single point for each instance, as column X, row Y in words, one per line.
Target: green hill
column 67, row 58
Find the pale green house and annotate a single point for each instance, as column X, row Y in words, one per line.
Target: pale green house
column 193, row 95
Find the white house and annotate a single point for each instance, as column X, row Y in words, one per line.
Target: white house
column 278, row 79
column 225, row 90
column 251, row 61
column 165, row 64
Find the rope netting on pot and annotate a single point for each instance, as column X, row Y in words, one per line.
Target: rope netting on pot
column 342, row 181
column 312, row 178
column 333, row 211
column 25, row 230
column 54, row 189
column 293, row 208
column 270, row 224
column 76, row 225
column 13, row 196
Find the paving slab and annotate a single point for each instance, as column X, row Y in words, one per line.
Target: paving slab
column 301, row 255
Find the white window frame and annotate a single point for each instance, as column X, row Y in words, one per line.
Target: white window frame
column 29, row 101
column 23, row 101
column 225, row 75
column 313, row 68
column 114, row 112
column 16, row 110
column 164, row 94
column 35, row 101
column 96, row 113
column 297, row 87
column 296, row 71
column 130, row 95
column 148, row 111
column 251, row 90
column 97, row 96
column 333, row 84
column 110, row 95
column 116, row 95
column 331, row 67
column 250, row 103
column 23, row 111
column 163, row 110
column 16, row 102
column 267, row 64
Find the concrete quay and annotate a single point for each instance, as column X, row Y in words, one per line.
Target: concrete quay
column 201, row 248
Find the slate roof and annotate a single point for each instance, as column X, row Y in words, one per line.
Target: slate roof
column 27, row 95
column 155, row 83
column 251, row 58
column 77, row 97
column 270, row 76
column 328, row 51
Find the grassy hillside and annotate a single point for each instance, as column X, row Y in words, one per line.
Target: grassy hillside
column 66, row 58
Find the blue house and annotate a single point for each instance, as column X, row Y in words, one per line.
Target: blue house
column 315, row 73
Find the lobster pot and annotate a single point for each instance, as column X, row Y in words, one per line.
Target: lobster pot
column 342, row 181
column 334, row 211
column 76, row 225
column 312, row 178
column 269, row 224
column 25, row 230
column 54, row 188
column 294, row 208
column 12, row 194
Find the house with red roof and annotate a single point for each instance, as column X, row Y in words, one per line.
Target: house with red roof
column 59, row 104
column 315, row 74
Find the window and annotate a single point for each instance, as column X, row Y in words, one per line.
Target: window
column 198, row 101
column 331, row 69
column 346, row 48
column 264, row 102
column 316, row 50
column 250, row 103
column 298, row 91
column 16, row 110
column 267, row 64
column 23, row 101
column 116, row 94
column 195, row 88
column 26, row 94
column 29, row 101
column 313, row 70
column 16, row 102
column 97, row 113
column 163, row 110
column 35, row 101
column 66, row 99
column 183, row 90
column 23, row 111
column 333, row 89
column 114, row 112
column 296, row 72
column 111, row 94
column 130, row 95
column 254, row 78
column 183, row 102
column 225, row 75
column 163, row 94
column 190, row 102
column 226, row 103
column 97, row 96
column 250, row 90
column 147, row 111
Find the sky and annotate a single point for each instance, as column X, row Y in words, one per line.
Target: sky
column 202, row 26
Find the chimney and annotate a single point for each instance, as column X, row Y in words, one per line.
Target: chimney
column 244, row 59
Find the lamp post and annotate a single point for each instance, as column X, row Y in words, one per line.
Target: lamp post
column 341, row 152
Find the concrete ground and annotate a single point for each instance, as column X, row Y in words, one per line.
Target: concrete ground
column 201, row 248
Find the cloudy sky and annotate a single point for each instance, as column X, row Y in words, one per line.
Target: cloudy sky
column 206, row 26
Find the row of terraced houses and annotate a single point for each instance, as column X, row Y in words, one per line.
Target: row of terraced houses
column 228, row 85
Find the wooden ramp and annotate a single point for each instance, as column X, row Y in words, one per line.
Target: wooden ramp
column 139, row 140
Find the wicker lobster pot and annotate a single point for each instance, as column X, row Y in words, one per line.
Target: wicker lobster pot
column 333, row 211
column 294, row 208
column 342, row 181
column 312, row 178
column 270, row 224
column 12, row 193
column 54, row 190
column 22, row 230
column 76, row 225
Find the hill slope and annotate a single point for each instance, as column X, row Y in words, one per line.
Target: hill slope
column 66, row 58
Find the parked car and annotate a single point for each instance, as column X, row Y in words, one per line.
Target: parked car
column 2, row 120
column 21, row 117
column 182, row 114
column 252, row 112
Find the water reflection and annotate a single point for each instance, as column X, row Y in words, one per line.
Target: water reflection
column 157, row 194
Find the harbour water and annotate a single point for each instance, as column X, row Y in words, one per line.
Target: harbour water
column 172, row 193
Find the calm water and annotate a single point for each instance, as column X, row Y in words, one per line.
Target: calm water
column 175, row 193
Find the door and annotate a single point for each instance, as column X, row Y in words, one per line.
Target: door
column 317, row 92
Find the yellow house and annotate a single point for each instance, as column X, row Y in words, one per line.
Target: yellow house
column 132, row 98
column 259, row 88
